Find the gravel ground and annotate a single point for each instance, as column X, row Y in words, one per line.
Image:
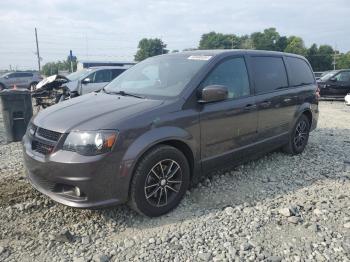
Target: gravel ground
column 277, row 208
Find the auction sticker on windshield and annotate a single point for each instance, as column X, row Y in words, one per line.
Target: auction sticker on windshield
column 199, row 57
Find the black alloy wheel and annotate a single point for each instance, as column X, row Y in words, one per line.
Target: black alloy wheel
column 163, row 183
column 160, row 181
column 299, row 136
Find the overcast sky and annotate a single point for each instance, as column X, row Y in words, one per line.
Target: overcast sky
column 111, row 29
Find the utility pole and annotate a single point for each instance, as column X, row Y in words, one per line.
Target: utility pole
column 335, row 52
column 37, row 48
column 71, row 60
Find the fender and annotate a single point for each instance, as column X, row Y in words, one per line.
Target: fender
column 151, row 138
column 305, row 107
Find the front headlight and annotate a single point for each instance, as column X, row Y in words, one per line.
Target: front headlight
column 90, row 143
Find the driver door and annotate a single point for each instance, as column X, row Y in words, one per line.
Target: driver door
column 98, row 80
column 339, row 85
column 228, row 127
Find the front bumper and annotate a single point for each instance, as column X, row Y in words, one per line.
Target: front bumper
column 59, row 174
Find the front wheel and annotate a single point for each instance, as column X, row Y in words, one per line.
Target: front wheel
column 160, row 181
column 299, row 137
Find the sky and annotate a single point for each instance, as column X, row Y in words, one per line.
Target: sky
column 110, row 30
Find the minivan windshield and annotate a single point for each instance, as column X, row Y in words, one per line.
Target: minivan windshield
column 79, row 74
column 160, row 76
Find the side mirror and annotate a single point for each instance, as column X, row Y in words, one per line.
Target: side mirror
column 86, row 81
column 333, row 79
column 7, row 77
column 213, row 93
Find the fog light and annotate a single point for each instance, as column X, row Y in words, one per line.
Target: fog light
column 77, row 191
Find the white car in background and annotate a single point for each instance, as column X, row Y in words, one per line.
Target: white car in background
column 347, row 99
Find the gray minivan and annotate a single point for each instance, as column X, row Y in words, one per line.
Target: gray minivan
column 167, row 122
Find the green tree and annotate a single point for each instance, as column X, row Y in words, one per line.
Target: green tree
column 150, row 47
column 313, row 57
column 325, row 54
column 296, row 46
column 215, row 40
column 281, row 44
column 246, row 42
column 265, row 40
column 52, row 68
column 343, row 61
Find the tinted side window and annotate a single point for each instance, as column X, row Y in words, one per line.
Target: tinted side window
column 13, row 75
column 102, row 76
column 231, row 73
column 116, row 72
column 343, row 76
column 24, row 75
column 269, row 74
column 299, row 72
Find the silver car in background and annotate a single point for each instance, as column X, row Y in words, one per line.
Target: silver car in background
column 92, row 79
column 26, row 80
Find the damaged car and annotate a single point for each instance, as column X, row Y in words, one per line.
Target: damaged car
column 58, row 88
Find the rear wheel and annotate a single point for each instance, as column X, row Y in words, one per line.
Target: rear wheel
column 160, row 181
column 299, row 137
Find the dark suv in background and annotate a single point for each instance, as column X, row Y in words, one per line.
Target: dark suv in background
column 168, row 121
column 26, row 80
column 335, row 84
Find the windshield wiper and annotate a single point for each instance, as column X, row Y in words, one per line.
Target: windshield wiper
column 123, row 93
column 104, row 90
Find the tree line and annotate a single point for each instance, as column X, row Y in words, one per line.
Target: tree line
column 53, row 68
column 321, row 57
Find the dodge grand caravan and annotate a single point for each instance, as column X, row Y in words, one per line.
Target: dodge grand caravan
column 166, row 122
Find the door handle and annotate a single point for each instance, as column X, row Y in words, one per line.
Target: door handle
column 287, row 100
column 265, row 104
column 250, row 107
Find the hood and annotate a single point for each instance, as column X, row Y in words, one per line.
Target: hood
column 93, row 111
column 50, row 82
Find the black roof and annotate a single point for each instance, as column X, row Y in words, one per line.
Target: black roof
column 217, row 52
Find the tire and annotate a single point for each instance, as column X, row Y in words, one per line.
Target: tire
column 160, row 181
column 299, row 136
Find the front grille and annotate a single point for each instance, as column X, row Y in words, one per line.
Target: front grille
column 48, row 134
column 42, row 148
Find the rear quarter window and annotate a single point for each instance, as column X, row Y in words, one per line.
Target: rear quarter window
column 269, row 74
column 299, row 72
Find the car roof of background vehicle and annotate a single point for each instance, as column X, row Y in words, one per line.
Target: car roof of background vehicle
column 109, row 67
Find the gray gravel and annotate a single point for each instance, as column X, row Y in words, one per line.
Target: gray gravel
column 278, row 208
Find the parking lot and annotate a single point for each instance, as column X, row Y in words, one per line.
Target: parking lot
column 290, row 208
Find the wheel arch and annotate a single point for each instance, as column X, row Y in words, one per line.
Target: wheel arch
column 308, row 114
column 172, row 136
column 304, row 109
